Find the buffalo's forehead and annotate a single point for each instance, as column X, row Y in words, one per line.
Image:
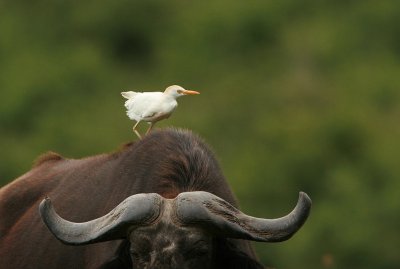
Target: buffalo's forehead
column 167, row 237
column 167, row 245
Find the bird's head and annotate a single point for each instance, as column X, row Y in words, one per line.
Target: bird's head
column 177, row 91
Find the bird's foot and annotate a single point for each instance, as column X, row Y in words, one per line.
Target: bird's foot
column 149, row 129
column 137, row 133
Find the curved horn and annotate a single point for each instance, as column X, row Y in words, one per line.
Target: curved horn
column 206, row 209
column 136, row 210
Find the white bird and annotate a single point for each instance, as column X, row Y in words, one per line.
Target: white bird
column 153, row 106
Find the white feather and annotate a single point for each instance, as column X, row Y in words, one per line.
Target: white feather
column 129, row 94
column 143, row 105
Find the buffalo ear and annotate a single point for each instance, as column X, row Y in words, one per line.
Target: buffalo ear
column 227, row 255
column 121, row 259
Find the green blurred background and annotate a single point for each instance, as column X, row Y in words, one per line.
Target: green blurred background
column 295, row 95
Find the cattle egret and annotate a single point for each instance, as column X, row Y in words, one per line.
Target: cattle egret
column 152, row 106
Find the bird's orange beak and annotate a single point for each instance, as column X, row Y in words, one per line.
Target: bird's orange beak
column 190, row 92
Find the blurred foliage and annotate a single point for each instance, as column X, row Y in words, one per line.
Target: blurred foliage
column 296, row 95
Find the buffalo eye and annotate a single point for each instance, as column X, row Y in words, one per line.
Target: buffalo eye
column 135, row 255
column 199, row 249
column 139, row 257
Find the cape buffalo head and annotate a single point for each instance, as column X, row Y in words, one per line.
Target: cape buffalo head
column 174, row 233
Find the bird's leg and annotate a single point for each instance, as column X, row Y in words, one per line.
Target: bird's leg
column 151, row 127
column 136, row 131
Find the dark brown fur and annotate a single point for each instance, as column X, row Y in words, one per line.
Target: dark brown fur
column 166, row 162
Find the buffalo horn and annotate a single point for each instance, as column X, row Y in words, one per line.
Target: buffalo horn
column 136, row 210
column 221, row 218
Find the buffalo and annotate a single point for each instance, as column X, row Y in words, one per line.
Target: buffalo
column 161, row 202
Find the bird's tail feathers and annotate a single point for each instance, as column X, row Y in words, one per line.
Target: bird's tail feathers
column 129, row 95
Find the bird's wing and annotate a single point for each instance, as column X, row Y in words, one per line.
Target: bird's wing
column 143, row 104
column 129, row 95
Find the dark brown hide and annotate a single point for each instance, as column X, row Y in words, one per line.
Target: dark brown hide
column 166, row 162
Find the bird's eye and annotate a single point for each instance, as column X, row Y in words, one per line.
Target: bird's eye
column 179, row 91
